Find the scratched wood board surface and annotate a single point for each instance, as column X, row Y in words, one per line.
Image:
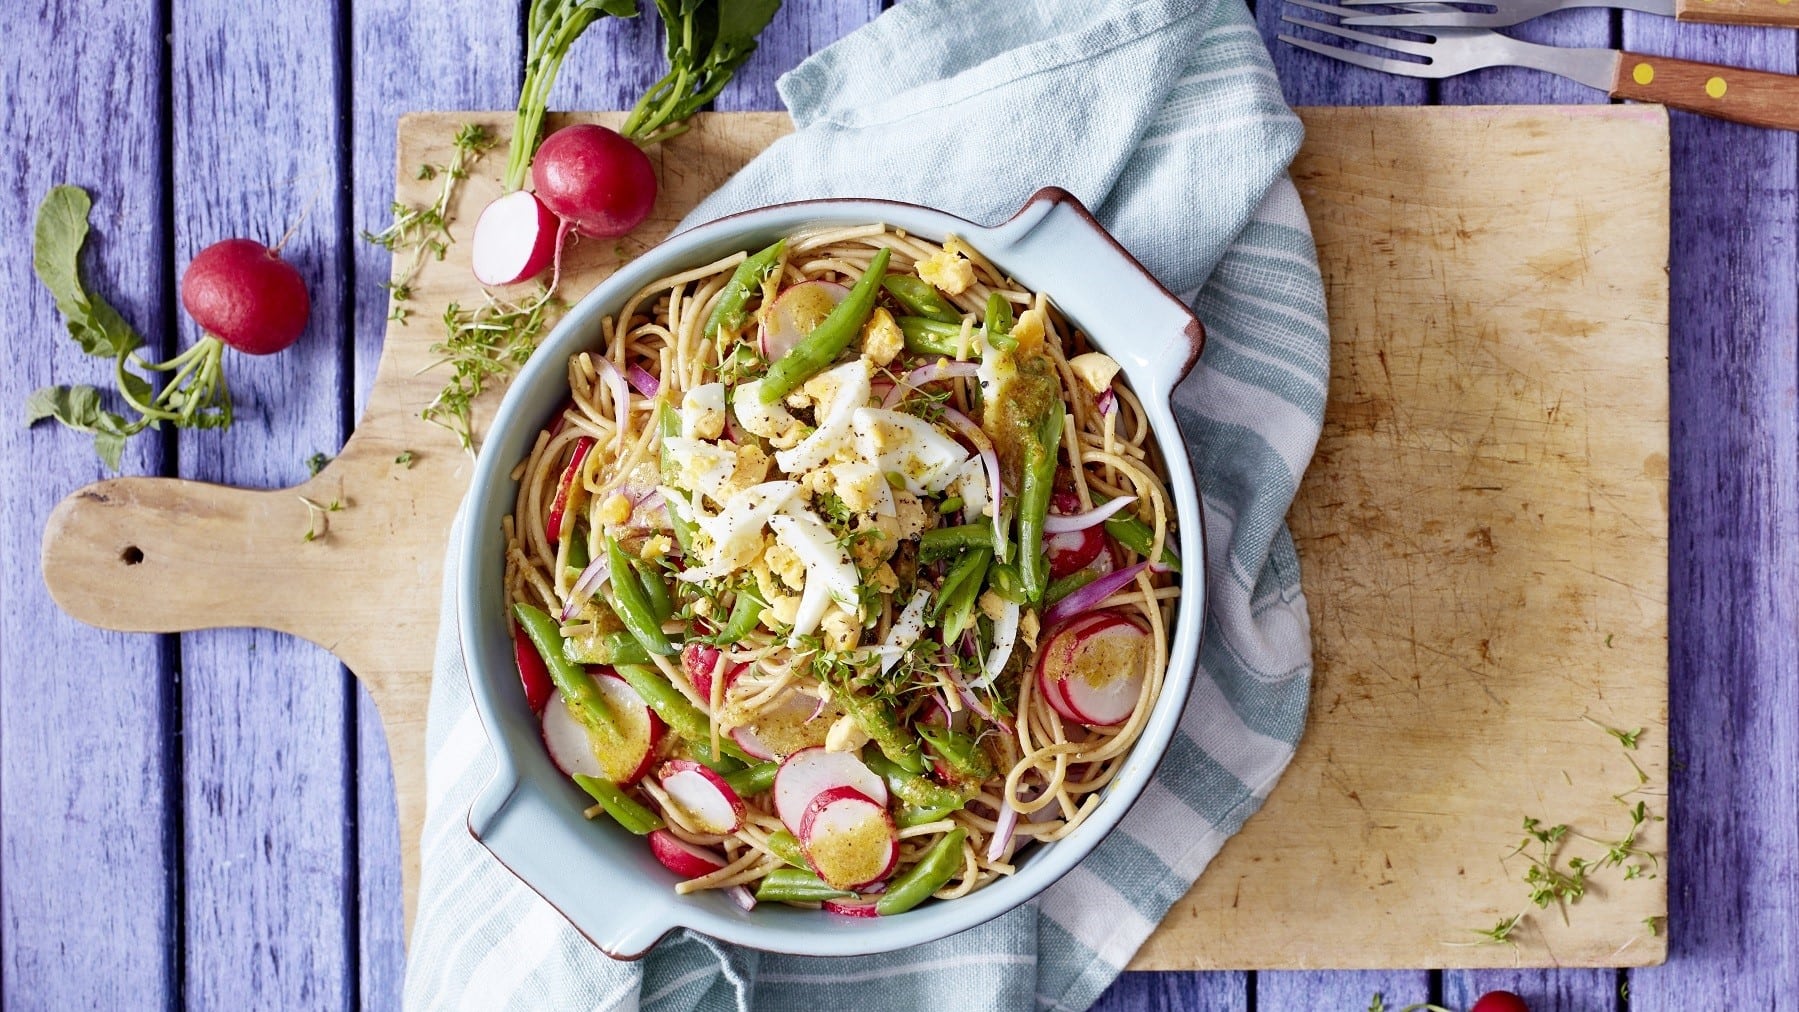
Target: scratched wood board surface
column 386, row 546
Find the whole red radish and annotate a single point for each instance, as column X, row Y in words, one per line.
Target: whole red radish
column 515, row 239
column 1499, row 1001
column 601, row 183
column 243, row 293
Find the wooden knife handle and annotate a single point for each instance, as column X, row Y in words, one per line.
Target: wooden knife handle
column 1756, row 97
column 1780, row 13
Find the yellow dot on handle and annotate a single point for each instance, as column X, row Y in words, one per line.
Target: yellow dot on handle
column 1715, row 87
column 1783, row 3
column 1642, row 73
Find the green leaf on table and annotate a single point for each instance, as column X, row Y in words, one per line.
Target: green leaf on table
column 78, row 408
column 57, row 240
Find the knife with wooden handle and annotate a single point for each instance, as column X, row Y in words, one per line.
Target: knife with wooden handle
column 1756, row 97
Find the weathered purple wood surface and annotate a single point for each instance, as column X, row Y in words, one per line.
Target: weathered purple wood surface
column 212, row 824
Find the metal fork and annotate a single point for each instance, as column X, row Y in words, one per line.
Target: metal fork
column 1511, row 12
column 1756, row 97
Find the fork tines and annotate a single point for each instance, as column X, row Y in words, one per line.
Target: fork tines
column 1338, row 51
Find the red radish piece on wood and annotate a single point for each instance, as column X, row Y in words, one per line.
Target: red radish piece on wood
column 849, row 838
column 797, row 312
column 597, row 180
column 812, row 771
column 709, row 803
column 701, row 660
column 552, row 525
column 515, row 239
column 1091, row 670
column 532, row 673
column 244, row 294
column 683, row 858
column 622, row 758
column 852, row 908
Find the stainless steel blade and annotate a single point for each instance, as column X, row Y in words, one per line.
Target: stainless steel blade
column 1504, row 13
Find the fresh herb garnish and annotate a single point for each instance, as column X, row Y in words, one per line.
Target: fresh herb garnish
column 316, row 463
column 194, row 397
column 706, row 41
column 425, row 231
column 318, row 518
column 404, row 459
column 493, row 339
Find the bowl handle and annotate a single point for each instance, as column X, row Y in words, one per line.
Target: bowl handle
column 1058, row 247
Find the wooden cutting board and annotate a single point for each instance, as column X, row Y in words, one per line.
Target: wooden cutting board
column 1484, row 532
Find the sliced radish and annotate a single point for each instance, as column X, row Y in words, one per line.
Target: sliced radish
column 532, row 673
column 849, row 838
column 552, row 525
column 852, row 908
column 812, row 771
column 787, row 727
column 1091, row 670
column 683, row 858
column 708, row 801
column 575, row 748
column 700, row 661
column 515, row 239
column 1074, row 551
column 795, row 313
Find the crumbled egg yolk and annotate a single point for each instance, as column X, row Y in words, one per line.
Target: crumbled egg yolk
column 992, row 605
column 1029, row 331
column 1096, row 370
column 882, row 339
column 656, row 546
column 785, row 564
column 703, row 411
column 842, row 630
column 951, row 273
column 616, row 510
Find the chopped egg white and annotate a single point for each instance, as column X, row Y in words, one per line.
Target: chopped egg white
column 703, row 412
column 770, row 421
column 905, row 631
column 700, row 466
column 899, row 443
column 735, row 532
column 971, row 485
column 838, row 393
column 845, row 735
column 825, row 560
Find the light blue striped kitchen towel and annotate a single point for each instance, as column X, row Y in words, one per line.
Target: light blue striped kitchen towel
column 1165, row 117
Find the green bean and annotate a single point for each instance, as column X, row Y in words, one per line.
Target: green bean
column 730, row 310
column 919, row 298
column 999, row 322
column 633, row 607
column 577, row 552
column 877, row 721
column 1033, row 506
column 1135, row 535
column 681, row 715
column 937, row 866
column 655, row 591
column 1004, row 581
column 1063, row 586
column 961, row 588
column 623, row 808
column 817, row 350
column 577, row 687
column 746, row 611
column 950, row 505
column 605, row 648
column 670, row 424
column 787, row 848
column 958, row 751
column 911, row 788
column 925, row 336
column 912, row 815
column 943, row 542
column 790, row 885
column 753, row 780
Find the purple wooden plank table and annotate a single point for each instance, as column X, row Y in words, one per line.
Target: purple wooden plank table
column 207, row 819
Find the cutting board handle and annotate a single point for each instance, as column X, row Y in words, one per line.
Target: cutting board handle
column 170, row 555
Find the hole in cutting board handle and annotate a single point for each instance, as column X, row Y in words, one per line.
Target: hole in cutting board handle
column 132, row 555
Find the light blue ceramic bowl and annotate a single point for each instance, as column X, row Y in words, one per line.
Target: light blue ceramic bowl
column 604, row 879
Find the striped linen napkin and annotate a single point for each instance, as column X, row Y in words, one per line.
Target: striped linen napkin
column 1166, row 118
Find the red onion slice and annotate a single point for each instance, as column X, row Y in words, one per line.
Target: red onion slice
column 586, row 586
column 990, row 459
column 621, row 395
column 1075, row 523
column 1092, row 594
column 1107, row 401
column 642, row 381
column 742, row 896
column 939, row 370
column 1002, row 832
